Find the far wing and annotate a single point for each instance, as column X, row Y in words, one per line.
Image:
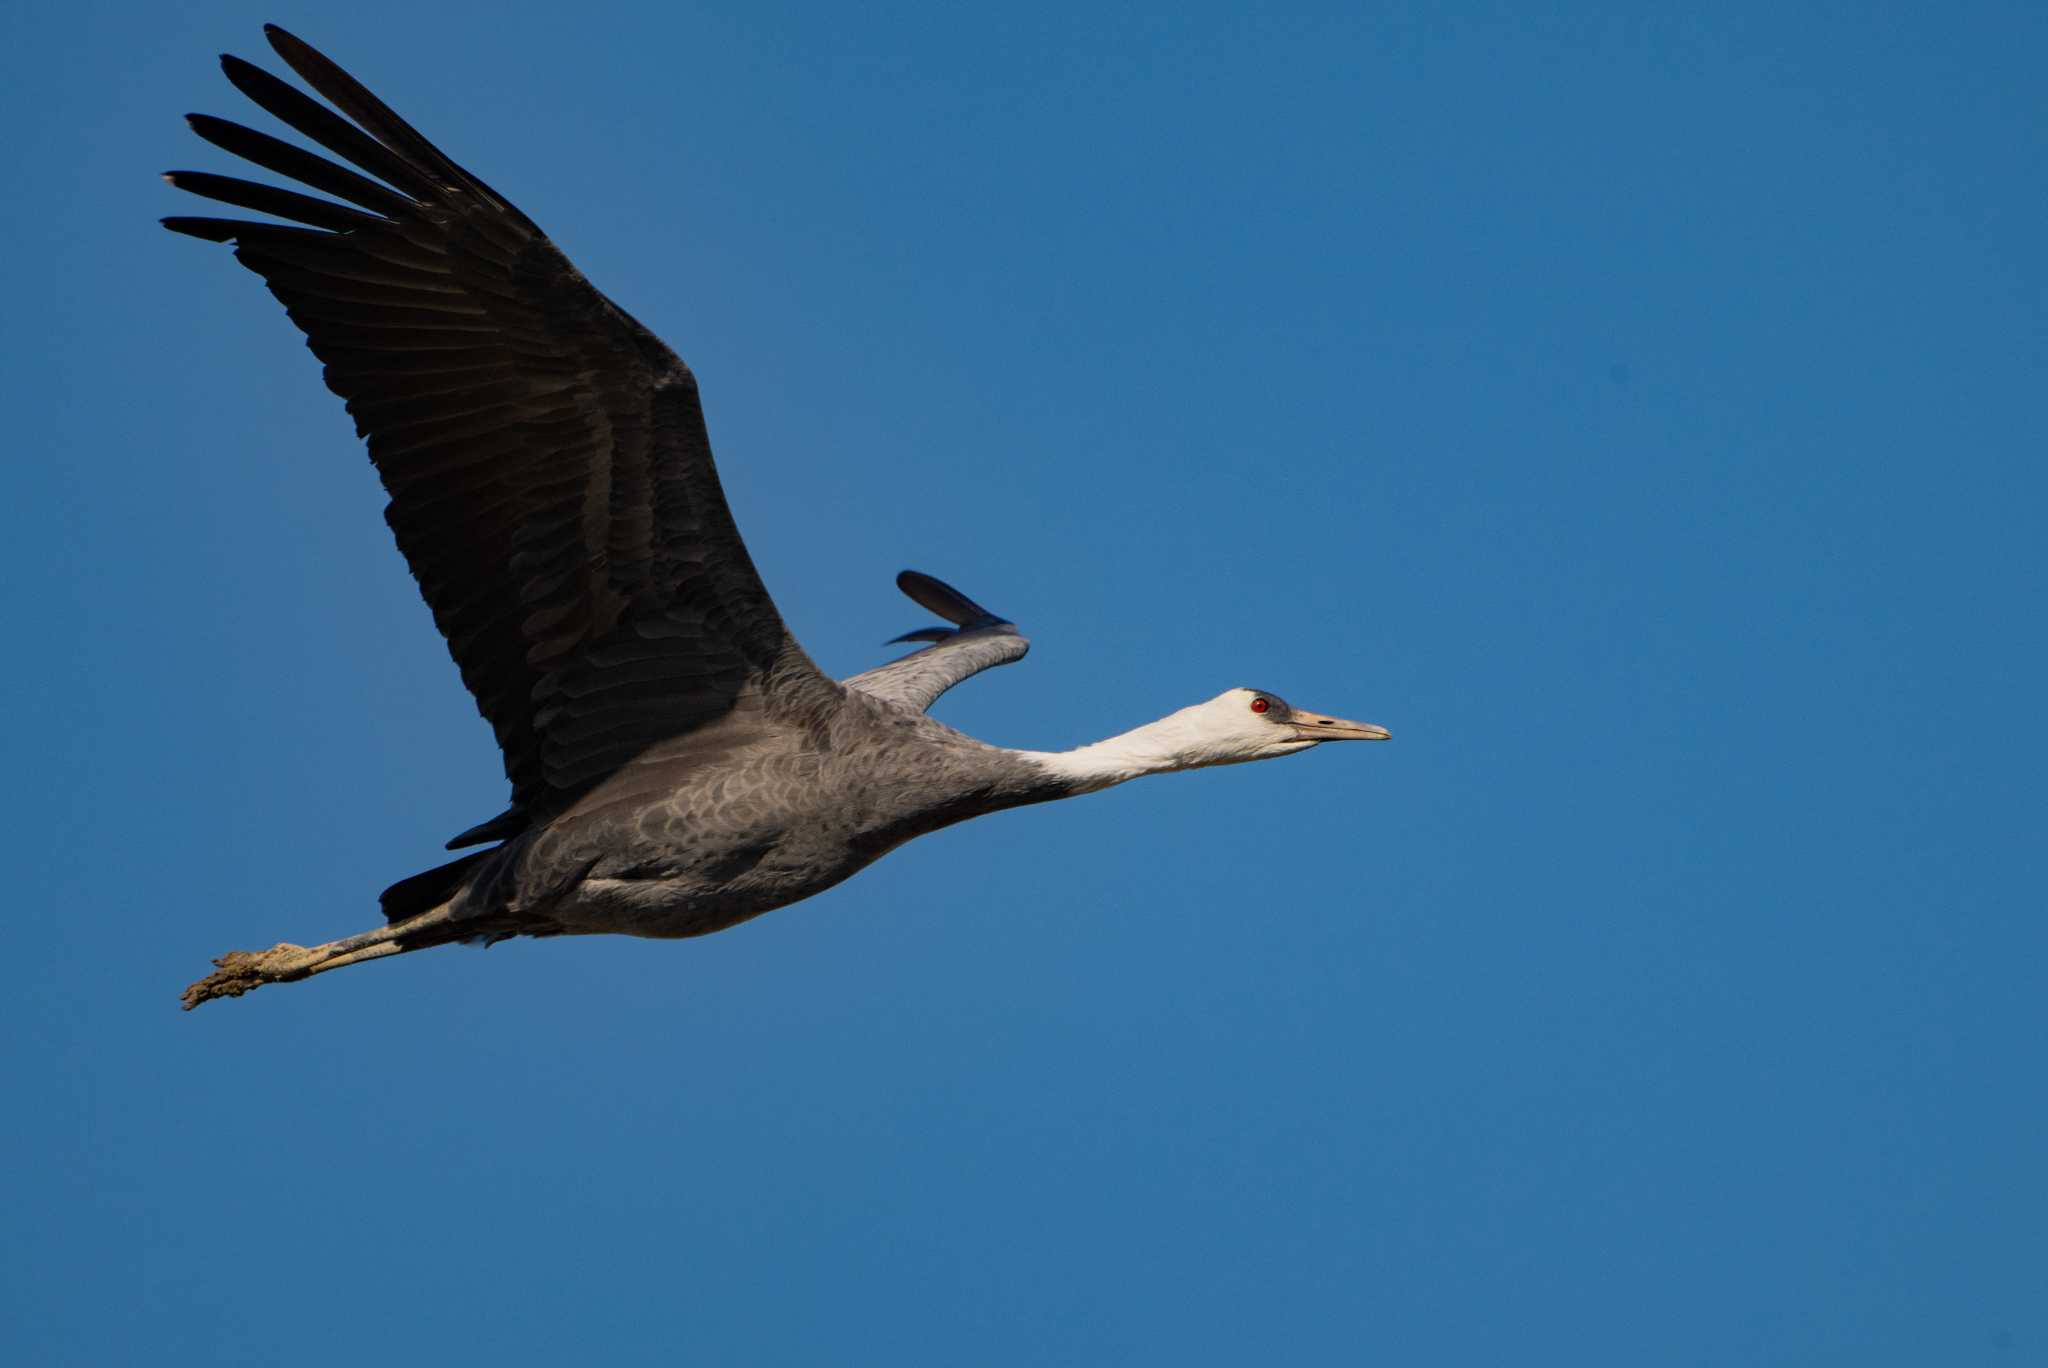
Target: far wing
column 979, row 640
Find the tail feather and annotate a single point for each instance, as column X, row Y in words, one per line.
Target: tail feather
column 429, row 888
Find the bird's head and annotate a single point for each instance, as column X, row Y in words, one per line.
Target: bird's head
column 1256, row 724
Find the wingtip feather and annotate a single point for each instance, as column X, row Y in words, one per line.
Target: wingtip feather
column 935, row 595
column 281, row 41
column 206, row 230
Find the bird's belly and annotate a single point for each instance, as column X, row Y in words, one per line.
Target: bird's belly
column 668, row 906
column 698, row 864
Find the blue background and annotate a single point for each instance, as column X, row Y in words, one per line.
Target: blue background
column 1639, row 413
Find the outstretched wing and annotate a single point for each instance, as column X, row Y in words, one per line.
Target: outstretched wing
column 979, row 640
column 550, row 476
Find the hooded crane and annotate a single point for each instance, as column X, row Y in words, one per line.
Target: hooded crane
column 678, row 765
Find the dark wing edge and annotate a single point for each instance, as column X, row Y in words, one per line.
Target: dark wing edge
column 934, row 595
column 551, row 480
column 979, row 640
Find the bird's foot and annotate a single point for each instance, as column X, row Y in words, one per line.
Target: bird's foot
column 243, row 971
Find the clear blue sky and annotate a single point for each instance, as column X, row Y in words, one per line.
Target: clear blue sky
column 1640, row 414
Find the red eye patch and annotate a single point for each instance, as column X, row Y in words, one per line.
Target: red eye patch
column 1260, row 705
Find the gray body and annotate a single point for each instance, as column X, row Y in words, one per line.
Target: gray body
column 797, row 786
column 757, row 811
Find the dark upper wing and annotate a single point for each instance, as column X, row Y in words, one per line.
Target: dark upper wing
column 550, row 477
column 978, row 641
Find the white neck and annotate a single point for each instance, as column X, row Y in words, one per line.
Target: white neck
column 1169, row 744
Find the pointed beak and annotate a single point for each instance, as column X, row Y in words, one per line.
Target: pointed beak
column 1316, row 727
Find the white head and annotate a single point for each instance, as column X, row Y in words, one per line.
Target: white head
column 1231, row 728
column 1253, row 724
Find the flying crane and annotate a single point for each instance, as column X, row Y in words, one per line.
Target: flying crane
column 677, row 762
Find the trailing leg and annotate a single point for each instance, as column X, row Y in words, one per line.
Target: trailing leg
column 243, row 971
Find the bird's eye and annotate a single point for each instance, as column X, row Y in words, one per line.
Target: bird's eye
column 1260, row 705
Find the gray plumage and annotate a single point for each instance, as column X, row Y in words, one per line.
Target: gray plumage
column 677, row 763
